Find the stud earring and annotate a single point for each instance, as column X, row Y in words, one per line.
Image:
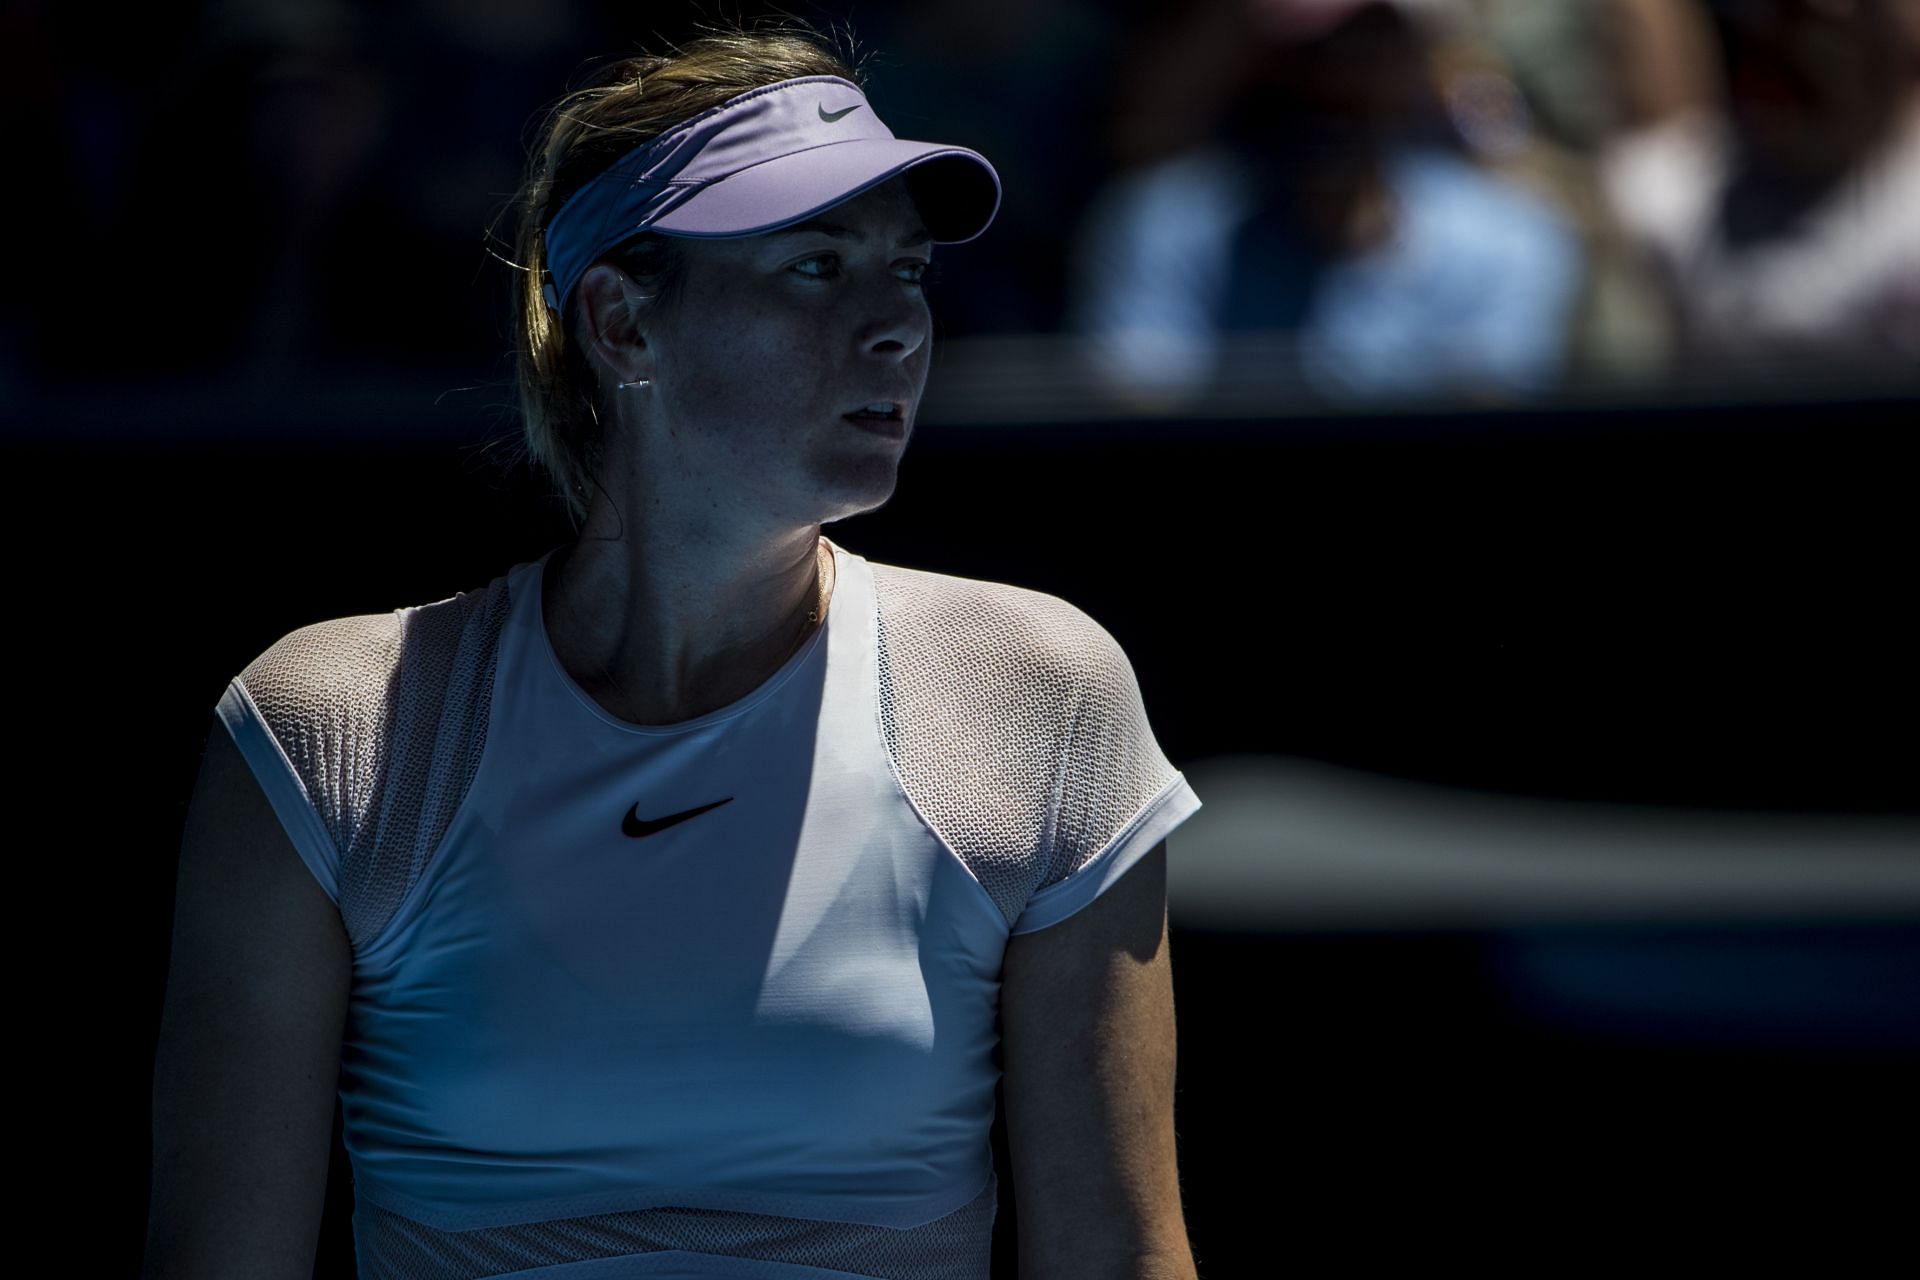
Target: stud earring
column 644, row 382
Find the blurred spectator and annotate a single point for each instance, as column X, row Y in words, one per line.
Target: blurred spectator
column 1773, row 171
column 1551, row 66
column 1295, row 170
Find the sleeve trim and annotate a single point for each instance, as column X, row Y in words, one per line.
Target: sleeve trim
column 282, row 785
column 1175, row 803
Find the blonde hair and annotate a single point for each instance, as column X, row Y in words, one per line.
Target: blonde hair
column 629, row 103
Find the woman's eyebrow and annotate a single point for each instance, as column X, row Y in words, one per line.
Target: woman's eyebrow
column 922, row 236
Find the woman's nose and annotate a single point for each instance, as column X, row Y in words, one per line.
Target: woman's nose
column 895, row 320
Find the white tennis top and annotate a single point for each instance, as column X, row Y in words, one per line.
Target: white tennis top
column 757, row 1040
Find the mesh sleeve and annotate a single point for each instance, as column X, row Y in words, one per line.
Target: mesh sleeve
column 306, row 719
column 1015, row 726
column 247, row 725
column 1115, row 793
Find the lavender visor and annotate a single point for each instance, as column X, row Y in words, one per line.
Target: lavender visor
column 764, row 160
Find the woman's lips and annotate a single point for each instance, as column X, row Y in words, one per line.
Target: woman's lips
column 892, row 428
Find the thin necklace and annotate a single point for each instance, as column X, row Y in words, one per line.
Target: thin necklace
column 826, row 578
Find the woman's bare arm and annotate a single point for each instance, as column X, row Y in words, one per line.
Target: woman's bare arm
column 249, row 1049
column 1087, row 1030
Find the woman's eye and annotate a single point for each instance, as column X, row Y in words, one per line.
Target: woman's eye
column 830, row 267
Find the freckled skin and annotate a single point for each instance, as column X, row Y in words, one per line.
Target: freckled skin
column 698, row 562
column 753, row 372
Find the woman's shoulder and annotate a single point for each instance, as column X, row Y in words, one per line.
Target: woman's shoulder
column 955, row 620
column 324, row 655
column 322, row 668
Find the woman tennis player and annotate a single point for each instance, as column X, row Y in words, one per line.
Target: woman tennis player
column 672, row 905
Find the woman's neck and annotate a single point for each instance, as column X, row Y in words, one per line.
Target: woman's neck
column 658, row 638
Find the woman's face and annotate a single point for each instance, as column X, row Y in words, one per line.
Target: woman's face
column 776, row 338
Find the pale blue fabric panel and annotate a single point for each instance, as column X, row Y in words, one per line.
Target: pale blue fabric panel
column 784, row 1005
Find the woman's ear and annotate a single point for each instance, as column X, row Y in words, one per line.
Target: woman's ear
column 611, row 307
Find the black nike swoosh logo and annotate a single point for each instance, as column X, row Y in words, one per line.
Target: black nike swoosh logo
column 836, row 115
column 635, row 825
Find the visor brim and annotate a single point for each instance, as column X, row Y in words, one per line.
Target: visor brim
column 956, row 190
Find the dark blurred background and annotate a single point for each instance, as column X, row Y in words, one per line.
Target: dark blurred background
column 1487, row 425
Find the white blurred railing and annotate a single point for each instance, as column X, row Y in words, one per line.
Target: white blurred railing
column 1284, row 843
